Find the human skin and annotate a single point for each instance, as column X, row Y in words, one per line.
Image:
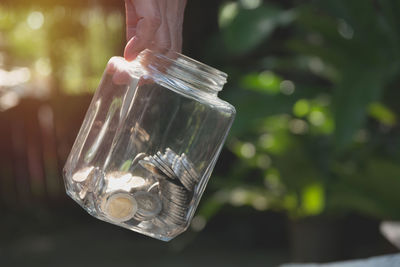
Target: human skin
column 154, row 24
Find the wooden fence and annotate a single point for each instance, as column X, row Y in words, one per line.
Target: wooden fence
column 35, row 139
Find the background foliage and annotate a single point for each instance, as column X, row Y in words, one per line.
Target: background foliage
column 315, row 85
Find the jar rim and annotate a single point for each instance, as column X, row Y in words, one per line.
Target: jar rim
column 184, row 68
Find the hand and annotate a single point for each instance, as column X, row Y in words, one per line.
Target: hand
column 153, row 23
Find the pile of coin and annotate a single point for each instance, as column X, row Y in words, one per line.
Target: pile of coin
column 139, row 203
column 171, row 165
column 162, row 197
column 85, row 180
column 177, row 180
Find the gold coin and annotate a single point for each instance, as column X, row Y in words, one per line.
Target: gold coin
column 120, row 207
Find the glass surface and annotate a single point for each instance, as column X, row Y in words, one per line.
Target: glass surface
column 149, row 142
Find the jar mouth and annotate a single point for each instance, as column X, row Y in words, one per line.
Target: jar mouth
column 183, row 69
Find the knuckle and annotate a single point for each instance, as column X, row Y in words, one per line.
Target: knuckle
column 155, row 20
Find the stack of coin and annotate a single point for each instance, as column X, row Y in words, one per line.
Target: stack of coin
column 171, row 165
column 149, row 205
column 188, row 179
column 152, row 166
column 175, row 199
column 177, row 180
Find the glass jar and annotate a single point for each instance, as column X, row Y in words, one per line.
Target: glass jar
column 149, row 142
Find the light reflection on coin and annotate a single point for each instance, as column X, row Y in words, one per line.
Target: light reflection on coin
column 138, row 157
column 165, row 163
column 82, row 175
column 124, row 181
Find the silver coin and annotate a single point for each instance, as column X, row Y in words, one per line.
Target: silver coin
column 180, row 199
column 125, row 181
column 154, row 188
column 177, row 166
column 86, row 180
column 181, row 202
column 138, row 157
column 173, row 187
column 83, row 174
column 188, row 165
column 167, row 160
column 149, row 205
column 164, row 165
column 170, row 205
column 149, row 165
column 156, row 162
column 183, row 176
column 171, row 219
column 170, row 155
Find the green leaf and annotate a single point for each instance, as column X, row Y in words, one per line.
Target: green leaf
column 265, row 81
column 382, row 114
column 357, row 90
column 373, row 189
column 251, row 27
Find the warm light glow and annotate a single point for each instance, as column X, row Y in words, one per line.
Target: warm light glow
column 35, row 20
column 8, row 100
column 15, row 77
column 43, row 67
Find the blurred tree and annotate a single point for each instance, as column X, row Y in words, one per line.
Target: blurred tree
column 315, row 88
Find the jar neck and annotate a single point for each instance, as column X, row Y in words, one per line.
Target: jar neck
column 183, row 71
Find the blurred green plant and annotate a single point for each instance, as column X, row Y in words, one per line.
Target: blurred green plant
column 314, row 84
column 315, row 87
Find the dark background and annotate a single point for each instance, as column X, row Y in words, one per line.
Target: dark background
column 310, row 168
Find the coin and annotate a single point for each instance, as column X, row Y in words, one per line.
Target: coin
column 183, row 176
column 138, row 157
column 149, row 165
column 119, row 206
column 170, row 155
column 86, row 180
column 188, row 165
column 124, row 181
column 149, row 205
column 154, row 188
column 164, row 167
column 82, row 175
column 174, row 192
column 170, row 218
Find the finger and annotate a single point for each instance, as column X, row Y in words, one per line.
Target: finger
column 163, row 37
column 175, row 15
column 112, row 65
column 122, row 77
column 149, row 20
column 120, row 70
column 131, row 19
